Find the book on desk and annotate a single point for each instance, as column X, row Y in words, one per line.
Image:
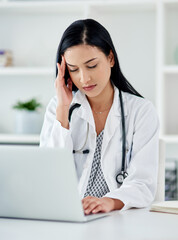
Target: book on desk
column 165, row 207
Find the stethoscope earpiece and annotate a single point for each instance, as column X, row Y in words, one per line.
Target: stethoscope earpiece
column 86, row 151
column 83, row 152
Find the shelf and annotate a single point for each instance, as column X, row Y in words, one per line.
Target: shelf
column 172, row 69
column 126, row 19
column 128, row 5
column 73, row 6
column 16, row 71
column 171, row 3
column 170, row 33
column 42, row 6
column 170, row 138
column 19, row 139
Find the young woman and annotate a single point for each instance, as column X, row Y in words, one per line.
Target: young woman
column 93, row 94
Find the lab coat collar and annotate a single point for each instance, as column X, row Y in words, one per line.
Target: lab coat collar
column 84, row 110
column 116, row 103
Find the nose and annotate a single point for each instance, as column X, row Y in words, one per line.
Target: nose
column 84, row 77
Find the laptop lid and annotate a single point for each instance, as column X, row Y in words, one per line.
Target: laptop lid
column 39, row 183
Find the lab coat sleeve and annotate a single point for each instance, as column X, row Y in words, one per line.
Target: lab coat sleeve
column 139, row 188
column 52, row 133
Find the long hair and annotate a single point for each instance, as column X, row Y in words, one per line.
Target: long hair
column 90, row 32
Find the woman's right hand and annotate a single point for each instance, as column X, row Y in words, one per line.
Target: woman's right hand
column 63, row 92
column 64, row 95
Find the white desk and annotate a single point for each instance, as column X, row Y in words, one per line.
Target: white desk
column 138, row 224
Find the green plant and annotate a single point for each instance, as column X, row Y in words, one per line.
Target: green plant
column 30, row 105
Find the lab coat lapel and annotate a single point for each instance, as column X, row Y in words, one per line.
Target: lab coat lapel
column 113, row 121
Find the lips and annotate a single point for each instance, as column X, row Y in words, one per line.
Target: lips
column 89, row 88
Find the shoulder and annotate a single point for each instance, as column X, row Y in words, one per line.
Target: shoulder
column 140, row 109
column 135, row 103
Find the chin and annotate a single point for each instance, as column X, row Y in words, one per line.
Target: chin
column 92, row 94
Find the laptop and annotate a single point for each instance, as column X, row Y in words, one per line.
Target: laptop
column 40, row 183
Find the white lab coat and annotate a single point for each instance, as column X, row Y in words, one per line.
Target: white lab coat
column 142, row 127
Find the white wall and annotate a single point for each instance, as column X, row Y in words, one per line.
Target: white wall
column 33, row 38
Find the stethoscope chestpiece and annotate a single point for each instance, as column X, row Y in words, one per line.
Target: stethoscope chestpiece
column 121, row 176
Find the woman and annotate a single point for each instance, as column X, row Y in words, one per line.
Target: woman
column 89, row 78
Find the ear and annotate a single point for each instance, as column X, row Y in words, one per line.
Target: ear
column 111, row 58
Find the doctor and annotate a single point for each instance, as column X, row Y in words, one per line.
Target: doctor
column 89, row 80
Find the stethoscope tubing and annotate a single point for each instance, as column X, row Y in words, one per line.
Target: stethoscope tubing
column 123, row 132
column 123, row 174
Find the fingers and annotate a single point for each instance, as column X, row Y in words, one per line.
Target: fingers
column 59, row 70
column 88, row 200
column 95, row 205
column 63, row 92
column 97, row 209
column 92, row 205
column 69, row 84
column 61, row 67
column 60, row 81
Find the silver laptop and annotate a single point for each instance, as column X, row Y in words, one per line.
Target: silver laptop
column 40, row 183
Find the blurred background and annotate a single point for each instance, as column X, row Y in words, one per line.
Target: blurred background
column 145, row 36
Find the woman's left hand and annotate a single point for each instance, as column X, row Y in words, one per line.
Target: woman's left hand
column 95, row 205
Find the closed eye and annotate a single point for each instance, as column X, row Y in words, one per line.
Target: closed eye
column 70, row 70
column 92, row 66
column 74, row 70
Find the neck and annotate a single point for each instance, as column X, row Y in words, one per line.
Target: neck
column 103, row 100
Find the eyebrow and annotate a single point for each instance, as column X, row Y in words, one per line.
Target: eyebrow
column 84, row 62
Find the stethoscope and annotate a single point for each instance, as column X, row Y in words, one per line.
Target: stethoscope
column 123, row 173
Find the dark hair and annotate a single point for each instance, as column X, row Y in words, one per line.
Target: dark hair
column 90, row 32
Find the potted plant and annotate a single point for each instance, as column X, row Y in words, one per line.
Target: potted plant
column 27, row 117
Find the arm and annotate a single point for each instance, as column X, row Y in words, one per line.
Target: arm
column 53, row 134
column 139, row 188
column 55, row 131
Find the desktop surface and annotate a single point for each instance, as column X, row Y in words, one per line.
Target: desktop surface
column 138, row 224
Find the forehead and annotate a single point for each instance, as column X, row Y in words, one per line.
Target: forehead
column 82, row 53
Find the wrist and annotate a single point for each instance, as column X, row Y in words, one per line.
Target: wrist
column 115, row 204
column 62, row 113
column 62, row 107
column 118, row 204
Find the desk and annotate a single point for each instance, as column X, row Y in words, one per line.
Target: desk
column 138, row 224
